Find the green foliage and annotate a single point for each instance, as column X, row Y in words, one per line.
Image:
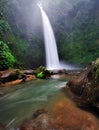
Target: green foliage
column 7, row 60
column 4, row 26
column 4, row 29
column 95, row 75
column 81, row 44
column 40, row 72
column 41, row 69
column 75, row 23
column 28, row 55
column 40, row 75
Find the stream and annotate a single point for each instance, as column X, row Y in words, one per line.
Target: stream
column 24, row 99
column 21, row 101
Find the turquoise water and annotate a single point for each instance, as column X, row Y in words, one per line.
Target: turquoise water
column 21, row 101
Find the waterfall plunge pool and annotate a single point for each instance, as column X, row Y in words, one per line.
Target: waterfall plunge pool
column 21, row 101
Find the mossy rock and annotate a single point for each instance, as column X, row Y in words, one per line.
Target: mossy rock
column 86, row 85
column 43, row 73
column 11, row 76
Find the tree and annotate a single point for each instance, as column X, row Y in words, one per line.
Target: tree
column 7, row 60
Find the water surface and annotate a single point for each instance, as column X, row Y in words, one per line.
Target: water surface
column 24, row 99
column 21, row 101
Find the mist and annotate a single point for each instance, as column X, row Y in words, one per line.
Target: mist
column 26, row 15
column 71, row 21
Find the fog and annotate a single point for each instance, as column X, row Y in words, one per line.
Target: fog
column 26, row 15
column 69, row 20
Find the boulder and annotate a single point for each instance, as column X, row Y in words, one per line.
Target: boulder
column 28, row 78
column 43, row 73
column 28, row 72
column 38, row 112
column 41, row 120
column 11, row 75
column 86, row 85
column 77, row 82
column 27, row 124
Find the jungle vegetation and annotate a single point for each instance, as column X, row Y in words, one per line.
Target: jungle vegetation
column 75, row 24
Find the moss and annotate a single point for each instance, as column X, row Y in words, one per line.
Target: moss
column 95, row 73
column 93, row 84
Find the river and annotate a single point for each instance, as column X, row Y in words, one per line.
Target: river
column 21, row 101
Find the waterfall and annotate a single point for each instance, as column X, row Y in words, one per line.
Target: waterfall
column 52, row 59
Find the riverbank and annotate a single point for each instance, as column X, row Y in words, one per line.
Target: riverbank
column 85, row 86
column 57, row 113
column 17, row 76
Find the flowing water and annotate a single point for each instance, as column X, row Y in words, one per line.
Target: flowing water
column 24, row 99
column 21, row 101
column 52, row 59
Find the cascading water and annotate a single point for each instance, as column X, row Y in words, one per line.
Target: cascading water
column 52, row 59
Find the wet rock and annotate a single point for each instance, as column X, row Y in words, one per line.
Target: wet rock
column 43, row 73
column 27, row 125
column 28, row 72
column 54, row 72
column 18, row 81
column 69, row 117
column 41, row 121
column 28, row 78
column 12, row 75
column 38, row 112
column 16, row 76
column 5, row 74
column 86, row 85
column 77, row 82
column 1, row 94
column 63, row 71
column 2, row 127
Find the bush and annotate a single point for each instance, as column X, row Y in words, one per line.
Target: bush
column 7, row 60
column 40, row 75
column 43, row 73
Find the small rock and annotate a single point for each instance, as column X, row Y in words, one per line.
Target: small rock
column 27, row 125
column 38, row 112
column 28, row 72
column 2, row 127
column 43, row 122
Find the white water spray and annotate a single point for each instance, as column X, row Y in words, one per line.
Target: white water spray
column 52, row 60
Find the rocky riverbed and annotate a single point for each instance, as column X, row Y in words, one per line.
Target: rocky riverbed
column 63, row 114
